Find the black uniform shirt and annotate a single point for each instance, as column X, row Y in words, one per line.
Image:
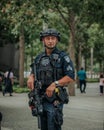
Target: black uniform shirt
column 60, row 61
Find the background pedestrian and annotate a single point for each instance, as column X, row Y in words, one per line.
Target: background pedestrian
column 82, row 80
column 101, row 83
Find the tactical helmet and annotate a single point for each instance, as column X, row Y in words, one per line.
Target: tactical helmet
column 49, row 32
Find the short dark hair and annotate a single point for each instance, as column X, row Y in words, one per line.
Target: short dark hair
column 82, row 68
column 101, row 76
column 10, row 69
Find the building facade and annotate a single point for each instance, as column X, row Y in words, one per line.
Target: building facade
column 9, row 57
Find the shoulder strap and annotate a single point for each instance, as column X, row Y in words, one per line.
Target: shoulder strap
column 38, row 58
column 36, row 63
column 8, row 75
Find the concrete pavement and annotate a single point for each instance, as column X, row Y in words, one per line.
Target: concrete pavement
column 84, row 111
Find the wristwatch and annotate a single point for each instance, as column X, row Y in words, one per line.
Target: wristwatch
column 56, row 83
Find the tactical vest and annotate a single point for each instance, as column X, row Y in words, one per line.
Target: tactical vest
column 48, row 68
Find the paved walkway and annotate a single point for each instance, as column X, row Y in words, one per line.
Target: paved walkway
column 84, row 111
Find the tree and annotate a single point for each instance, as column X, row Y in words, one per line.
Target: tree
column 20, row 16
column 92, row 6
column 5, row 33
column 99, row 45
column 24, row 20
column 70, row 13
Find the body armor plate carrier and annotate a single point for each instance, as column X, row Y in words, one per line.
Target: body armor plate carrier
column 48, row 68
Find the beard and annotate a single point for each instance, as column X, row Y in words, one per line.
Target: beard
column 49, row 47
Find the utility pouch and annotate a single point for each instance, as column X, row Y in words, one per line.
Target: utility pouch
column 63, row 95
column 58, row 117
column 60, row 94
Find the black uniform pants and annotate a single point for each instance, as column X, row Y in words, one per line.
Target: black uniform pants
column 47, row 119
column 101, row 89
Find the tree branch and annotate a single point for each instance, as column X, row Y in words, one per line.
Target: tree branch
column 60, row 12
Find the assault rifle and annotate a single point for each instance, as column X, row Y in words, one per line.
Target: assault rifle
column 35, row 102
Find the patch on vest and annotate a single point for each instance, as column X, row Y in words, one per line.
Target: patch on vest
column 69, row 68
column 45, row 61
column 55, row 56
column 67, row 59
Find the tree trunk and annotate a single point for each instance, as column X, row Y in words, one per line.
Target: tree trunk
column 91, row 61
column 71, row 50
column 21, row 61
column 79, row 64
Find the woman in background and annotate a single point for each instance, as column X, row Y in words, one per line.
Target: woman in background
column 101, row 84
column 8, row 82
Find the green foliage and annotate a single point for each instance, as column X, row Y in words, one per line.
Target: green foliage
column 99, row 45
column 94, row 10
column 92, row 80
column 18, row 89
column 96, row 40
column 34, row 15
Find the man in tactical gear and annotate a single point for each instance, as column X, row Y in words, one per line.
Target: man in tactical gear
column 52, row 68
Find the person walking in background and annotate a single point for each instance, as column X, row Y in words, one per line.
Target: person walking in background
column 82, row 80
column 101, row 84
column 8, row 82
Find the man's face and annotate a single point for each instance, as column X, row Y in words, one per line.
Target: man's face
column 50, row 41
